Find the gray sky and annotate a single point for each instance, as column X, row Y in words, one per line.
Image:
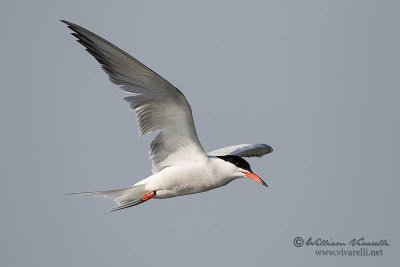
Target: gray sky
column 316, row 80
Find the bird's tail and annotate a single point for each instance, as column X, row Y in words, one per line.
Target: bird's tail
column 124, row 197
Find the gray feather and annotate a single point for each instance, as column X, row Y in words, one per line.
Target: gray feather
column 243, row 150
column 158, row 104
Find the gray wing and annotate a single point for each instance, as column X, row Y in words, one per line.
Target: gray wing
column 158, row 104
column 243, row 150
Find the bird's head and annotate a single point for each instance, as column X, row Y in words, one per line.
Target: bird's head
column 242, row 168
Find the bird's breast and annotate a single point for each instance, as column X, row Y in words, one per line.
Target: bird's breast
column 183, row 180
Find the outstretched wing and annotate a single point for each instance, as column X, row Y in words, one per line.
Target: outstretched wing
column 158, row 104
column 243, row 150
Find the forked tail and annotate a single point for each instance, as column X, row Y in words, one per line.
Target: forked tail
column 123, row 198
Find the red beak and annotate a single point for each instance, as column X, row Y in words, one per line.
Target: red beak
column 255, row 177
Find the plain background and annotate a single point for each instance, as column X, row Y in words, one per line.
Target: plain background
column 316, row 80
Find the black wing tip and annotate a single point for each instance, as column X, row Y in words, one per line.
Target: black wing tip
column 72, row 26
column 268, row 148
column 66, row 22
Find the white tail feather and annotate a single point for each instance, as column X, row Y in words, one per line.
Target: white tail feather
column 123, row 198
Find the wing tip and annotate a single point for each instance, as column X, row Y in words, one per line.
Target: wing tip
column 70, row 25
column 268, row 148
column 66, row 22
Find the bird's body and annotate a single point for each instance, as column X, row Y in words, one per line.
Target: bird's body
column 191, row 178
column 180, row 164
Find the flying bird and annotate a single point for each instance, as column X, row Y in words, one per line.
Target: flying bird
column 180, row 165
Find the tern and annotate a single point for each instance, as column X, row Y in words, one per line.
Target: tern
column 180, row 165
